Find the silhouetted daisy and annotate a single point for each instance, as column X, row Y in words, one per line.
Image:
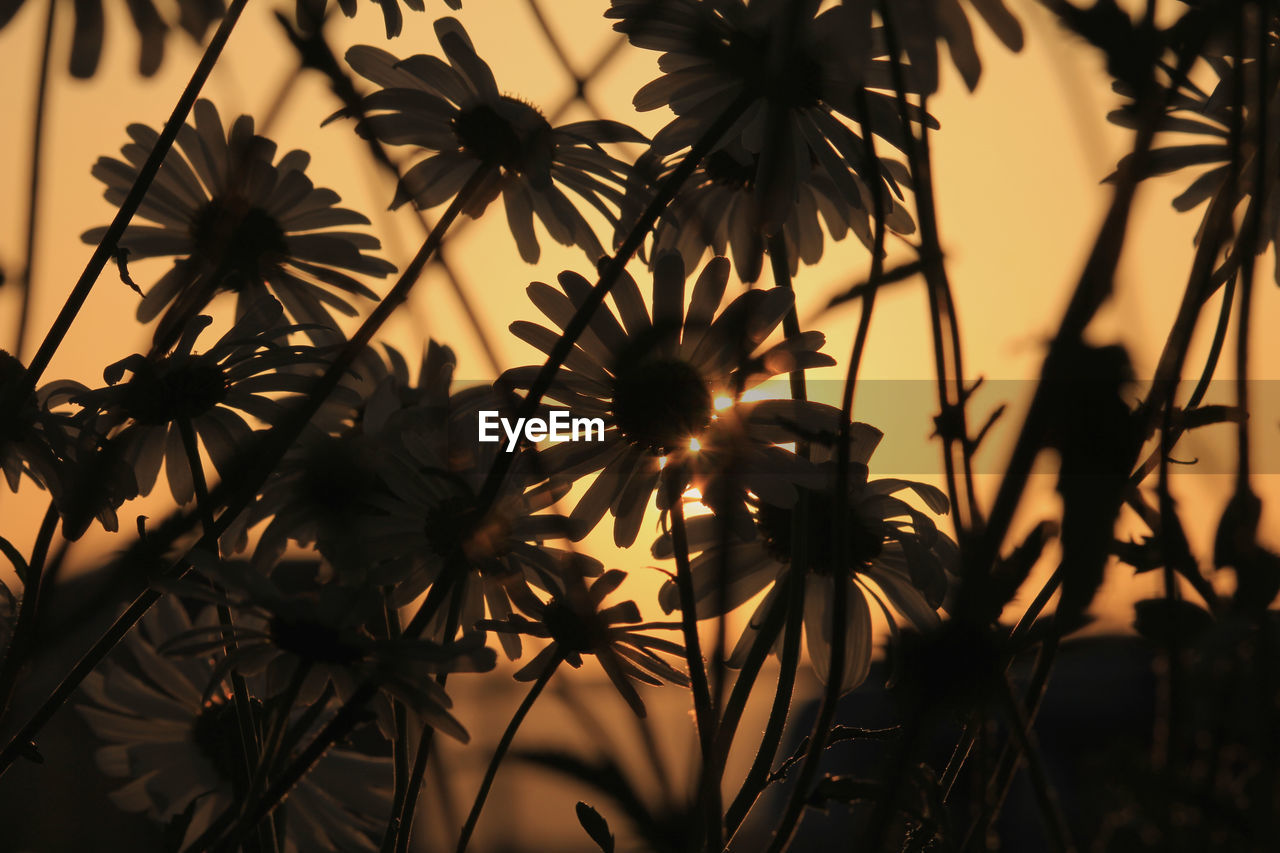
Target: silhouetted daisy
column 577, row 625
column 897, row 558
column 212, row 391
column 311, row 12
column 318, row 633
column 239, row 220
column 193, row 16
column 330, row 473
column 798, row 70
column 178, row 744
column 456, row 110
column 653, row 380
column 719, row 209
column 427, row 522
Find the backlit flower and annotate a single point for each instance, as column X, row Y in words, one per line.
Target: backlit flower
column 896, row 558
column 804, row 75
column 238, row 220
column 719, row 209
column 654, row 379
column 177, row 743
column 578, row 625
column 455, row 110
column 213, row 391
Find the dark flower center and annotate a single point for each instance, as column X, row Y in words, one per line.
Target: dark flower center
column 513, row 141
column 458, row 533
column 795, row 81
column 569, row 630
column 776, row 525
column 660, row 404
column 174, row 392
column 246, row 239
column 216, row 733
column 727, row 170
column 335, row 478
column 313, row 641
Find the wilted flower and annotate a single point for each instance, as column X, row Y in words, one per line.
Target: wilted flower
column 654, row 380
column 194, row 16
column 888, row 543
column 311, row 12
column 577, row 625
column 456, row 110
column 211, row 391
column 802, row 75
column 239, row 222
column 177, row 741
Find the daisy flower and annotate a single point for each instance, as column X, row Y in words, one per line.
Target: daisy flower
column 897, row 559
column 177, row 743
column 211, row 390
column 720, row 209
column 88, row 33
column 576, row 623
column 455, row 110
column 653, row 379
column 236, row 219
column 804, row 74
column 427, row 521
column 317, row 633
column 330, row 474
column 311, row 12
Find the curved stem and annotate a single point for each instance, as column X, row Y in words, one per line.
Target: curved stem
column 403, row 810
column 703, row 708
column 780, row 263
column 107, row 245
column 503, row 745
column 24, row 628
column 758, row 776
column 33, row 187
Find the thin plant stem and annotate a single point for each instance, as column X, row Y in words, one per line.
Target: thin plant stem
column 780, row 263
column 400, row 831
column 106, row 247
column 249, row 747
column 704, row 710
column 28, row 610
column 33, row 186
column 791, row 606
column 500, row 752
